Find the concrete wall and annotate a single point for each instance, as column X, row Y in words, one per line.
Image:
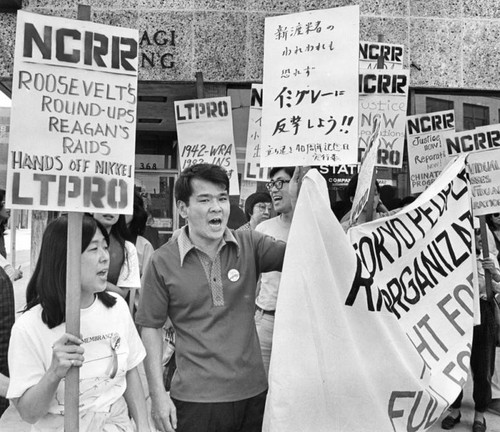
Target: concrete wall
column 454, row 43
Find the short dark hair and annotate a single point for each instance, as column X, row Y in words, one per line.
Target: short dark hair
column 288, row 170
column 255, row 198
column 208, row 172
column 350, row 190
column 47, row 285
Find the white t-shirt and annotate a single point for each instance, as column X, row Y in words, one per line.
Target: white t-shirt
column 130, row 275
column 270, row 282
column 30, row 354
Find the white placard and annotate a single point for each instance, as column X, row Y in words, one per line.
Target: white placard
column 310, row 109
column 481, row 138
column 74, row 95
column 383, row 95
column 205, row 134
column 484, row 171
column 426, row 154
column 369, row 53
column 253, row 171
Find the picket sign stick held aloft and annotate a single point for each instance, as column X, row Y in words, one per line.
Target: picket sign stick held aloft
column 485, row 251
column 73, row 287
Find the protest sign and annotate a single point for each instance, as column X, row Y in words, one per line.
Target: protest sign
column 366, row 173
column 253, row 171
column 383, row 321
column 4, row 144
column 426, row 154
column 370, row 52
column 74, row 97
column 481, row 138
column 383, row 95
column 310, row 109
column 205, row 134
column 484, row 171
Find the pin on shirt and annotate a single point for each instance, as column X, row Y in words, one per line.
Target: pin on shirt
column 233, row 275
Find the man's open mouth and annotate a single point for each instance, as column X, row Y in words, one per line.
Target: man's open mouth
column 215, row 222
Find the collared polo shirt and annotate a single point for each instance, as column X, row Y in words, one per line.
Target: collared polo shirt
column 211, row 305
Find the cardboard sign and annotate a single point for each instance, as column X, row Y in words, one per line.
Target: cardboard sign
column 481, row 138
column 426, row 154
column 369, row 53
column 310, row 109
column 253, row 171
column 386, row 319
column 205, row 134
column 484, row 172
column 74, row 95
column 383, row 95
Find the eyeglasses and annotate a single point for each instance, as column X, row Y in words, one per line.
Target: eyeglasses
column 263, row 207
column 278, row 184
column 495, row 214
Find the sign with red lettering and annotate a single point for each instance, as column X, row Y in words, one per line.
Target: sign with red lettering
column 253, row 171
column 383, row 95
column 205, row 133
column 74, row 94
column 426, row 154
column 370, row 52
column 388, row 327
column 310, row 108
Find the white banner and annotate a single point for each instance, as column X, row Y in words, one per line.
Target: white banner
column 369, row 53
column 383, row 95
column 426, row 154
column 484, row 171
column 253, row 171
column 205, row 134
column 388, row 328
column 310, row 109
column 74, row 95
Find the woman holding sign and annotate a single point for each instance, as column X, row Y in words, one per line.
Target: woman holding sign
column 107, row 352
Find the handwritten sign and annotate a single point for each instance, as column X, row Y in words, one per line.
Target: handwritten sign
column 310, row 112
column 253, row 171
column 369, row 53
column 383, row 95
column 205, row 133
column 426, row 154
column 481, row 138
column 484, row 172
column 74, row 97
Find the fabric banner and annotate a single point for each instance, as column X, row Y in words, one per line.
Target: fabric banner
column 387, row 328
column 73, row 120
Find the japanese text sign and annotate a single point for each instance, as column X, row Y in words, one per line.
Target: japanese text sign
column 426, row 154
column 310, row 109
column 205, row 134
column 253, row 170
column 72, row 142
column 383, row 94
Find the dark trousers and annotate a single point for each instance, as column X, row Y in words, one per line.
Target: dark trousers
column 482, row 359
column 241, row 416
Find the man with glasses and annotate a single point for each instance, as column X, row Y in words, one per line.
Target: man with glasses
column 278, row 228
column 257, row 209
column 204, row 281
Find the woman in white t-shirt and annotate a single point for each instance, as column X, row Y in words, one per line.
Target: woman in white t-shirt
column 107, row 353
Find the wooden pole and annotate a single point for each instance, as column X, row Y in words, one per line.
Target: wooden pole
column 486, row 251
column 73, row 291
column 200, row 89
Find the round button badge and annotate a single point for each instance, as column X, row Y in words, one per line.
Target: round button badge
column 233, row 275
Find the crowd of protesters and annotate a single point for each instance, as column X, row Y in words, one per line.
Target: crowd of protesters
column 216, row 287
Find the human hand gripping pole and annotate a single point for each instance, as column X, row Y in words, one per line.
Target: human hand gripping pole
column 66, row 353
column 296, row 183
